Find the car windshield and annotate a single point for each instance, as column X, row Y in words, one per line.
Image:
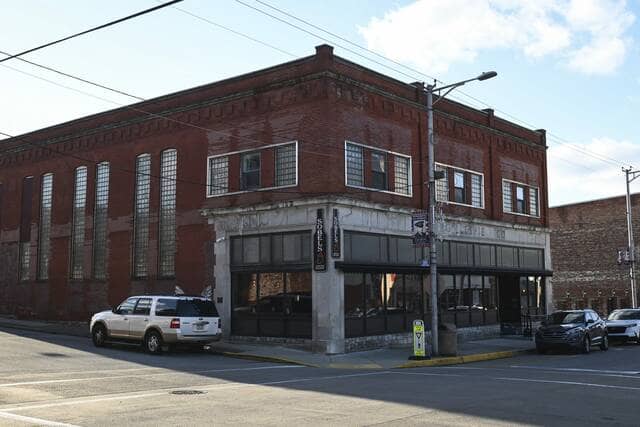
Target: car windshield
column 196, row 308
column 624, row 315
column 566, row 317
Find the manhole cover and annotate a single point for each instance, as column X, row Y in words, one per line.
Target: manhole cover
column 187, row 392
column 54, row 354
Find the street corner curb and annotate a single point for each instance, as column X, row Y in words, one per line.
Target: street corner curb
column 355, row 366
column 261, row 358
column 48, row 330
column 459, row 360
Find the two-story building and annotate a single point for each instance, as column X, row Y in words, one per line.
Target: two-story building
column 290, row 192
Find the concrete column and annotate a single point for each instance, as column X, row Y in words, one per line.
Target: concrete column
column 222, row 274
column 328, row 302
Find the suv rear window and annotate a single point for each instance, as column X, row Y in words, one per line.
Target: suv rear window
column 196, row 308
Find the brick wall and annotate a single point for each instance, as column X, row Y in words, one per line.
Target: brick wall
column 585, row 238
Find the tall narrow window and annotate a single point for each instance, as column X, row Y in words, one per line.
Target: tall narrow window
column 507, row 204
column 44, row 229
column 25, row 228
column 442, row 185
column 402, row 175
column 100, row 221
column 141, row 216
column 77, row 230
column 379, row 170
column 459, row 187
column 520, row 204
column 218, row 175
column 286, row 167
column 355, row 169
column 167, row 234
column 533, row 201
column 250, row 171
column 476, row 190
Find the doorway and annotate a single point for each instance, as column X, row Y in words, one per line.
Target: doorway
column 509, row 300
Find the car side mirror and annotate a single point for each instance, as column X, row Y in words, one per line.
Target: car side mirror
column 114, row 310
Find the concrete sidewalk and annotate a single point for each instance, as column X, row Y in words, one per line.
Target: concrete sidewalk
column 385, row 358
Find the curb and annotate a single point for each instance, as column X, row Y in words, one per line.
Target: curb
column 54, row 331
column 259, row 358
column 459, row 360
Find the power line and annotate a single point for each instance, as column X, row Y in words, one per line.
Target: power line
column 555, row 138
column 90, row 30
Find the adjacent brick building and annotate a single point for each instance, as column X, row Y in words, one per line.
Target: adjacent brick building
column 585, row 239
column 290, row 191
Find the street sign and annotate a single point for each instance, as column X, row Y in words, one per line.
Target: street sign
column 418, row 338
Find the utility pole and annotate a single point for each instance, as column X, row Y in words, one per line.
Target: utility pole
column 433, row 254
column 629, row 177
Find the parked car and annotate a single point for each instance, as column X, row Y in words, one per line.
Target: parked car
column 624, row 325
column 574, row 329
column 158, row 321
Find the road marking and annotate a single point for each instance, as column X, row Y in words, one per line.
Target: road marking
column 70, row 380
column 36, row 421
column 599, row 371
column 163, row 391
column 619, row 387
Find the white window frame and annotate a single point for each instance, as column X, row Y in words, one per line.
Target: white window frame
column 482, row 187
column 522, row 184
column 257, row 150
column 381, row 150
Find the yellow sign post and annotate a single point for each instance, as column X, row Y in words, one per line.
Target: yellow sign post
column 418, row 339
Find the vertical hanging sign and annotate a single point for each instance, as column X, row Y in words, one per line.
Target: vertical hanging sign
column 319, row 244
column 335, row 235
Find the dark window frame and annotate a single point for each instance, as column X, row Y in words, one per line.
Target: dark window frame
column 250, row 178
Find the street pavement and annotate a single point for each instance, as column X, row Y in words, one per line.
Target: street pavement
column 63, row 380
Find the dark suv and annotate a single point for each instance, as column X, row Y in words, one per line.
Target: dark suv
column 576, row 329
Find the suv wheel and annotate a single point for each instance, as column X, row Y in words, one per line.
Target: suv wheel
column 605, row 343
column 99, row 335
column 153, row 342
column 586, row 345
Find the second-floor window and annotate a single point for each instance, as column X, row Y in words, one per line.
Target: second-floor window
column 519, row 198
column 141, row 215
column 377, row 169
column 44, row 232
column 460, row 186
column 77, row 228
column 250, row 171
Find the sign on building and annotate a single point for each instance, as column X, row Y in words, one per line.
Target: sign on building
column 420, row 229
column 335, row 235
column 320, row 244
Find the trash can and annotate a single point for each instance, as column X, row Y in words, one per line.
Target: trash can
column 447, row 339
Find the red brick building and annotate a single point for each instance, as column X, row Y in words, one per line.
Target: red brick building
column 585, row 239
column 290, row 191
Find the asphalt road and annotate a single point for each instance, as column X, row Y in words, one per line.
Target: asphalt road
column 61, row 380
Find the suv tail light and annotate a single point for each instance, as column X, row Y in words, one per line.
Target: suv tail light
column 175, row 324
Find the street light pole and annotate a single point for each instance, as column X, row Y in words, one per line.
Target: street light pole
column 629, row 177
column 433, row 254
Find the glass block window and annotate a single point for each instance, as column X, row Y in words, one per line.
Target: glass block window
column 77, row 230
column 476, row 190
column 442, row 185
column 402, row 175
column 507, row 204
column 167, row 233
column 218, row 175
column 355, row 165
column 533, row 201
column 25, row 255
column 286, row 165
column 141, row 215
column 100, row 221
column 44, row 230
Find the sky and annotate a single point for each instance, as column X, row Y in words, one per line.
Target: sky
column 571, row 67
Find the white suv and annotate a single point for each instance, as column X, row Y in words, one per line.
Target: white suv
column 158, row 321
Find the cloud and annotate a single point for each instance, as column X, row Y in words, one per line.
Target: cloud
column 587, row 36
column 575, row 176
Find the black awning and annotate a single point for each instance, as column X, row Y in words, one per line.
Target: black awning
column 416, row 269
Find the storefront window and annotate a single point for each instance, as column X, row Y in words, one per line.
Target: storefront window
column 475, row 300
column 447, row 298
column 354, row 304
column 272, row 304
column 490, row 300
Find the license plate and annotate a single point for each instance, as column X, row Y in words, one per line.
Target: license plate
column 198, row 327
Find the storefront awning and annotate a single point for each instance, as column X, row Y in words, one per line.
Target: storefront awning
column 416, row 269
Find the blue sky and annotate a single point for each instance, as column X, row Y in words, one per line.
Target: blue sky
column 569, row 66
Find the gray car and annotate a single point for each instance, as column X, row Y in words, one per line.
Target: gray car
column 158, row 322
column 572, row 329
